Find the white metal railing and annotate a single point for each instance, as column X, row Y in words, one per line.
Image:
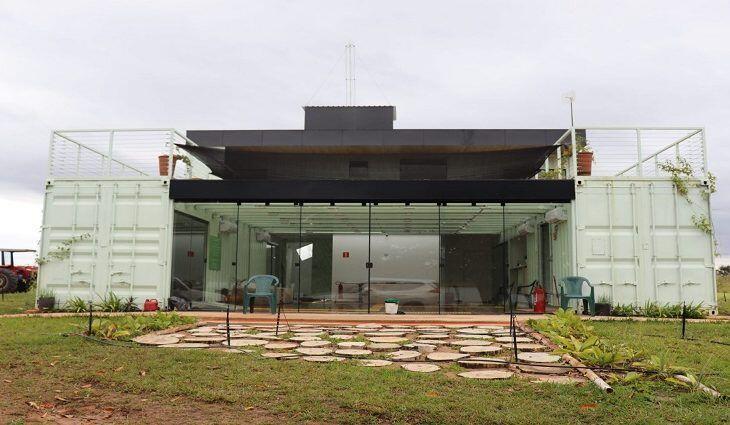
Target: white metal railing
column 121, row 153
column 628, row 151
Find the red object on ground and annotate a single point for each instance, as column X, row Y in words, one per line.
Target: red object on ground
column 151, row 305
column 538, row 298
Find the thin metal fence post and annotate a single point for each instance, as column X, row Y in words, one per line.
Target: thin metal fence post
column 639, row 161
column 684, row 319
column 91, row 315
column 228, row 325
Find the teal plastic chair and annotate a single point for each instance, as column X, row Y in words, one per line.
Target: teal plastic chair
column 265, row 288
column 571, row 288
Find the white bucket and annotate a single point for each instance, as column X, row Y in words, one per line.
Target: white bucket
column 391, row 308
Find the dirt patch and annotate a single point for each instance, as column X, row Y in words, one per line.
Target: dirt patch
column 96, row 404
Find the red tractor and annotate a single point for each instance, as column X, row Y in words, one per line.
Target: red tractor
column 15, row 278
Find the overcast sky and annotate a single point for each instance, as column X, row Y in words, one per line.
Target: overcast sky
column 444, row 64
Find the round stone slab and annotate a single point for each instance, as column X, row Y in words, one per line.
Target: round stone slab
column 506, row 333
column 351, row 344
column 543, row 370
column 313, row 351
column 322, row 359
column 342, row 337
column 374, row 362
column 524, row 346
column 538, row 357
column 390, row 339
column 196, row 338
column 433, row 336
column 156, row 339
column 204, row 335
column 229, row 350
column 404, row 355
column 466, row 342
column 353, row 352
column 383, row 346
column 480, row 349
column 305, row 338
column 431, row 341
column 509, row 339
column 490, row 327
column 442, row 356
column 186, row 345
column 487, row 374
column 420, row 367
column 280, row 356
column 311, row 344
column 472, row 331
column 201, row 329
column 383, row 333
column 246, row 342
column 281, row 345
column 473, row 336
column 483, row 363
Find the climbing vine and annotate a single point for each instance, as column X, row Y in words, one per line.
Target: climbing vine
column 681, row 172
column 63, row 250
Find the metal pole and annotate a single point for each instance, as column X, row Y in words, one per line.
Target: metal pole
column 299, row 262
column 439, row 254
column 228, row 325
column 512, row 318
column 91, row 317
column 369, row 264
column 684, row 319
column 235, row 260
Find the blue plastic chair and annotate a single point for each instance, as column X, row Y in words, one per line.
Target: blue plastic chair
column 571, row 288
column 265, row 288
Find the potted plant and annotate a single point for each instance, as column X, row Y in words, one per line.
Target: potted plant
column 163, row 163
column 603, row 306
column 46, row 299
column 585, row 159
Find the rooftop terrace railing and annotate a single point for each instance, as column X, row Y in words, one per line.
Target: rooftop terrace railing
column 121, row 153
column 628, row 151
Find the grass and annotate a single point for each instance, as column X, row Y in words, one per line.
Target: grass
column 17, row 302
column 40, row 365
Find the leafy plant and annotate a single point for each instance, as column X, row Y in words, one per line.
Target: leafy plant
column 623, row 310
column 111, row 303
column 127, row 327
column 130, row 304
column 702, row 222
column 680, row 172
column 76, row 305
column 46, row 293
column 554, row 174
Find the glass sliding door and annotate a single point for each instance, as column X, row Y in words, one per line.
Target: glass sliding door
column 404, row 252
column 333, row 254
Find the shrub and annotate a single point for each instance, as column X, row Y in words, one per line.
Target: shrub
column 76, row 305
column 127, row 327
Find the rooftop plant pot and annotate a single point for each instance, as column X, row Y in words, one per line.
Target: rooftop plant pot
column 163, row 163
column 585, row 163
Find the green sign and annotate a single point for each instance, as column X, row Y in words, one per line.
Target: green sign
column 214, row 252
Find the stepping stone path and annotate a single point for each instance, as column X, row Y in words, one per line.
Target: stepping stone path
column 404, row 355
column 510, row 339
column 313, row 351
column 411, row 345
column 323, row 359
column 374, row 362
column 480, row 349
column 280, row 356
column 420, row 367
column 281, row 345
column 442, row 356
column 353, row 352
column 246, row 342
column 487, row 374
column 483, row 363
column 311, row 344
column 151, row 339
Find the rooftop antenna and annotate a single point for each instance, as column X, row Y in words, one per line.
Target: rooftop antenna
column 570, row 98
column 350, row 74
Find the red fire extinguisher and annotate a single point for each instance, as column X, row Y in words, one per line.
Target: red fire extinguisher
column 538, row 299
column 151, row 305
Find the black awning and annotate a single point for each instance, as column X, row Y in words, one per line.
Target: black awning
column 421, row 191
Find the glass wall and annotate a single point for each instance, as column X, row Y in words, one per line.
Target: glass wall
column 455, row 258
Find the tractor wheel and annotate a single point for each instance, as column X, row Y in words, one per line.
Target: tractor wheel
column 8, row 281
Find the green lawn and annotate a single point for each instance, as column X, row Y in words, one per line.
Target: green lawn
column 17, row 302
column 49, row 373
